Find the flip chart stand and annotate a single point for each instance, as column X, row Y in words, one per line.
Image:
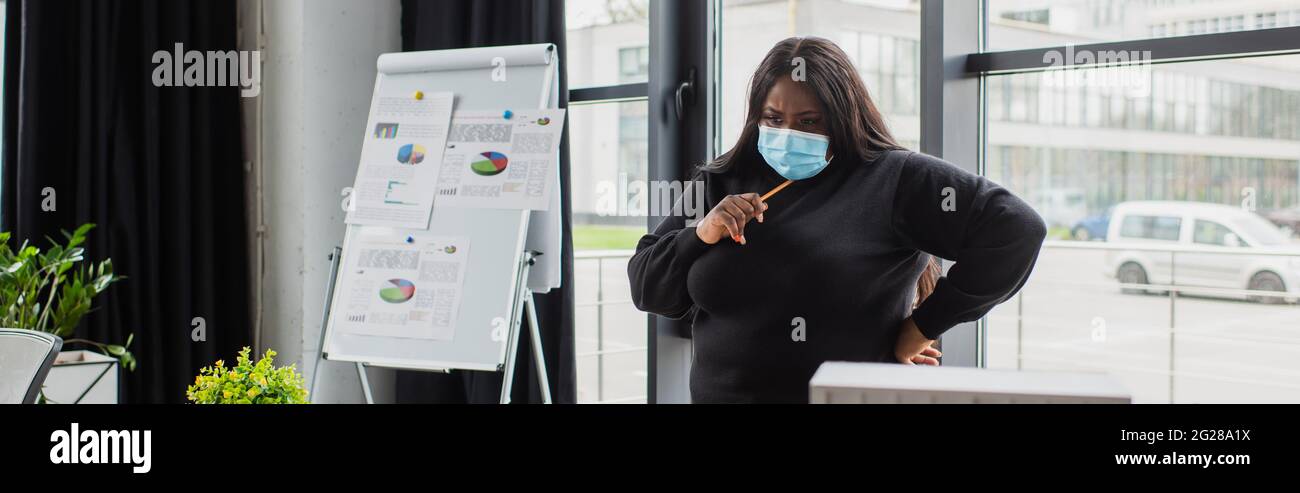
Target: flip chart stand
column 523, row 303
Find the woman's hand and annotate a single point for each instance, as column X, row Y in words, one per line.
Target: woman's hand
column 729, row 218
column 913, row 348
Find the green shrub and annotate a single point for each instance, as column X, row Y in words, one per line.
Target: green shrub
column 248, row 383
column 51, row 290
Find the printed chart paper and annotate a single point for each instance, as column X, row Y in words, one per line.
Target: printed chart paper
column 399, row 283
column 492, row 162
column 403, row 147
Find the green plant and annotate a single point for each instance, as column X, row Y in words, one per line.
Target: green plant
column 248, row 383
column 51, row 291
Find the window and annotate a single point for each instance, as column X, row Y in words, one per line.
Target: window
column 603, row 39
column 633, row 64
column 1151, row 228
column 1211, row 233
column 1017, row 24
column 1039, row 16
column 1174, row 135
column 1266, row 20
column 1224, row 129
column 1205, row 138
column 609, row 150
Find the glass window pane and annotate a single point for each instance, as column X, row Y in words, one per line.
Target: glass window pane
column 887, row 56
column 634, row 65
column 1020, row 24
column 870, row 51
column 1218, row 159
column 1210, row 233
column 608, row 42
column 849, row 41
column 609, row 154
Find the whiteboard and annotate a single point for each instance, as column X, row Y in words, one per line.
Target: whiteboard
column 498, row 237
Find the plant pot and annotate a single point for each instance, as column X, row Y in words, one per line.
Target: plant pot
column 83, row 377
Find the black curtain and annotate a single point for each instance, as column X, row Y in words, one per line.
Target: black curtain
column 448, row 24
column 158, row 169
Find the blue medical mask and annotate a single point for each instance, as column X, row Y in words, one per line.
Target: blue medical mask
column 795, row 155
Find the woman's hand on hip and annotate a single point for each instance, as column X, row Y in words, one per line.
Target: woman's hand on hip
column 729, row 218
column 913, row 348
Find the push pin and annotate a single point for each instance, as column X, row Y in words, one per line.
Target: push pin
column 419, row 95
column 410, row 239
column 508, row 114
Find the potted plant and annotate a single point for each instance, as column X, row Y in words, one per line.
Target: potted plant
column 50, row 291
column 248, row 383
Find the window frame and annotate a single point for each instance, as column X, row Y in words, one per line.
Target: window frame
column 944, row 30
column 615, row 94
column 682, row 49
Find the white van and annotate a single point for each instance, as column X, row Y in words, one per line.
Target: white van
column 1212, row 230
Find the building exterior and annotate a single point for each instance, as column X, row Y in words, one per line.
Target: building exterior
column 1201, row 131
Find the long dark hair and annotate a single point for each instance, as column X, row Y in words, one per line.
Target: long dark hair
column 926, row 283
column 857, row 129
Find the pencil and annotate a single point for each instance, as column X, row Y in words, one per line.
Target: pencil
column 764, row 198
column 778, row 188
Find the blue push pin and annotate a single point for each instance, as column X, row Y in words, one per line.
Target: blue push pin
column 508, row 114
column 410, row 239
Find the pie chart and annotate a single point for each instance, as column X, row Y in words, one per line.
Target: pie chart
column 411, row 154
column 397, row 291
column 489, row 163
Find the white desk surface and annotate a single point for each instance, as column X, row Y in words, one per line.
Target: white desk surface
column 888, row 376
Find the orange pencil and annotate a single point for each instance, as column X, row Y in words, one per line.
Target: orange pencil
column 764, row 198
column 778, row 188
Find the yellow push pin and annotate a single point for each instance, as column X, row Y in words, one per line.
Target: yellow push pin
column 418, row 95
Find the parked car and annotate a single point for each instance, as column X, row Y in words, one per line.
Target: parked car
column 1092, row 228
column 1288, row 219
column 1217, row 233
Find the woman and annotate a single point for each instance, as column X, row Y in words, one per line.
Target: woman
column 828, row 268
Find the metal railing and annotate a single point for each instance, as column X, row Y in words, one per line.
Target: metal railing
column 1172, row 289
column 599, row 257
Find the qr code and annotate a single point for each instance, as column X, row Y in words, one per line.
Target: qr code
column 379, row 258
column 533, row 143
column 480, row 132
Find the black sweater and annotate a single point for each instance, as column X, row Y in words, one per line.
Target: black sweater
column 838, row 254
